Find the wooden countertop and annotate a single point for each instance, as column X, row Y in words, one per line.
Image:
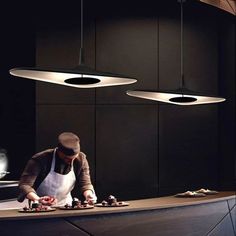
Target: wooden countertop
column 136, row 205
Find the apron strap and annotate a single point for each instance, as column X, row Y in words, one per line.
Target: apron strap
column 53, row 160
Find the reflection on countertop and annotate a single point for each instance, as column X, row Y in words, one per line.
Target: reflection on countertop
column 12, row 204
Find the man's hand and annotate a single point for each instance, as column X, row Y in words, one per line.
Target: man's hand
column 90, row 197
column 48, row 200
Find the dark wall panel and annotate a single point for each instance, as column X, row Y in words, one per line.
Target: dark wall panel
column 17, row 97
column 127, row 46
column 54, row 119
column 188, row 147
column 58, row 47
column 200, row 47
column 121, row 132
column 227, row 27
column 47, row 93
column 169, row 46
column 126, row 147
column 191, row 132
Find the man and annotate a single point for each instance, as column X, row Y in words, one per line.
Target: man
column 50, row 176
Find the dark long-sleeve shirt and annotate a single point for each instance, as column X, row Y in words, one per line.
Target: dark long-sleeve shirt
column 39, row 166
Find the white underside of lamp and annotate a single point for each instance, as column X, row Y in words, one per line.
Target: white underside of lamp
column 61, row 77
column 167, row 97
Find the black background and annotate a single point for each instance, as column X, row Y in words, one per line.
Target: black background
column 136, row 148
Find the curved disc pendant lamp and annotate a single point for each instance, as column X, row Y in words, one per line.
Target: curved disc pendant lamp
column 181, row 96
column 79, row 77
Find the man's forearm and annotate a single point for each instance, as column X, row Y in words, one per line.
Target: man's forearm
column 32, row 196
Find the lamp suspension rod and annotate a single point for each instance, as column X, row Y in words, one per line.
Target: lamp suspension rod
column 182, row 85
column 81, row 53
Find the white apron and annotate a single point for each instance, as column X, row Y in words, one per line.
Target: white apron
column 58, row 185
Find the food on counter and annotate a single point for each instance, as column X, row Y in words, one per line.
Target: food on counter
column 76, row 204
column 47, row 200
column 111, row 201
column 36, row 207
column 190, row 194
column 104, row 203
column 207, row 191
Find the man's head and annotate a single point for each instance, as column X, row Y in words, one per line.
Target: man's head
column 68, row 145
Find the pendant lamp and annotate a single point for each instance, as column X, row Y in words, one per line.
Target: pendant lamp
column 81, row 76
column 182, row 95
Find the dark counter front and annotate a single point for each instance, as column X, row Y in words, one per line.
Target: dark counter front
column 210, row 215
column 8, row 189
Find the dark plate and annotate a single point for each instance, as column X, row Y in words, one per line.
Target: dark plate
column 33, row 211
column 184, row 195
column 122, row 204
column 75, row 208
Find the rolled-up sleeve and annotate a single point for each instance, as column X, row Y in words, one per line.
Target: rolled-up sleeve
column 84, row 179
column 28, row 178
